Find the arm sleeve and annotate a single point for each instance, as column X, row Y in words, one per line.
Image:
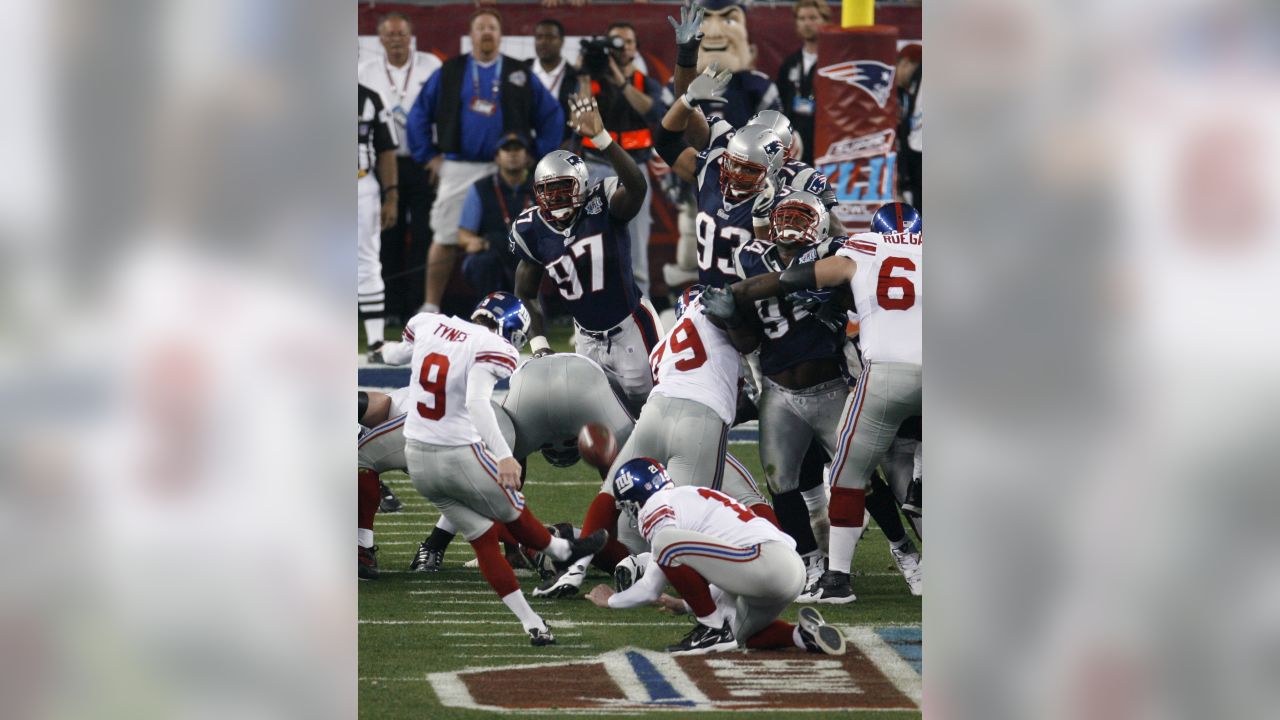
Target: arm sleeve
column 418, row 125
column 549, row 118
column 471, row 211
column 397, row 353
column 644, row 591
column 480, row 381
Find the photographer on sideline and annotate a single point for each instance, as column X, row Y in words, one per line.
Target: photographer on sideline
column 630, row 104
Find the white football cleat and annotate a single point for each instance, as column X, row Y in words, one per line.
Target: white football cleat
column 907, row 559
column 567, row 584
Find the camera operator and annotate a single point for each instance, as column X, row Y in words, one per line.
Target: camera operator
column 630, row 104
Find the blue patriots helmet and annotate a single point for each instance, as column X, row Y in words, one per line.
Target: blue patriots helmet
column 896, row 218
column 687, row 297
column 507, row 312
column 637, row 481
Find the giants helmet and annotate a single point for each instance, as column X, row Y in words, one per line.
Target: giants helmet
column 686, row 298
column 637, row 481
column 896, row 219
column 781, row 126
column 754, row 153
column 560, row 186
column 508, row 313
column 798, row 220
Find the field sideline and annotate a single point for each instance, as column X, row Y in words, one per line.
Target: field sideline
column 413, row 625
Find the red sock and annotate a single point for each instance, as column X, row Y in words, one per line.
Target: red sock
column 847, row 506
column 603, row 513
column 368, row 498
column 504, row 534
column 529, row 531
column 692, row 588
column 766, row 512
column 776, row 634
column 493, row 566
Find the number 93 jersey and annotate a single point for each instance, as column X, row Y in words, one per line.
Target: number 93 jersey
column 695, row 361
column 589, row 262
column 721, row 227
column 444, row 351
column 886, row 290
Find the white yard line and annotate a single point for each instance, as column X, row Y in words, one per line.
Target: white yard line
column 900, row 673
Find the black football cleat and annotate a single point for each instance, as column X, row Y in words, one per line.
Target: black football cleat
column 541, row 638
column 368, row 562
column 390, row 503
column 427, row 560
column 703, row 639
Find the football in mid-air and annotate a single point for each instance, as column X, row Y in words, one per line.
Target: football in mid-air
column 597, row 446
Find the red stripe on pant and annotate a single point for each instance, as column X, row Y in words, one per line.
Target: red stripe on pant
column 495, row 568
column 368, row 498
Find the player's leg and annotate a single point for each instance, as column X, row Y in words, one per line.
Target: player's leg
column 739, row 484
column 370, row 288
column 367, row 507
column 784, row 438
column 886, row 394
column 674, row 550
column 628, row 354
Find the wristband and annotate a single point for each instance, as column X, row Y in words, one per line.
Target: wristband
column 685, row 100
column 687, row 53
column 539, row 343
column 601, row 140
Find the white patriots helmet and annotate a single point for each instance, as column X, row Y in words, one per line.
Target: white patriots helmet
column 780, row 124
column 560, row 185
column 799, row 219
column 754, row 153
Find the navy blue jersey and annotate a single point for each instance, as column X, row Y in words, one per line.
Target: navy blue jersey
column 589, row 262
column 794, row 175
column 792, row 335
column 748, row 92
column 721, row 227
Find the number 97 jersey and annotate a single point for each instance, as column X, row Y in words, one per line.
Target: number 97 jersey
column 887, row 292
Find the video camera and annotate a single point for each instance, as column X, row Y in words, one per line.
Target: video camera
column 595, row 54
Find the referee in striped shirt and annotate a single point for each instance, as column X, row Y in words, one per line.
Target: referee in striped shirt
column 376, row 145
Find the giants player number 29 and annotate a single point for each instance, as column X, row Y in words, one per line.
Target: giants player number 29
column 684, row 336
column 564, row 271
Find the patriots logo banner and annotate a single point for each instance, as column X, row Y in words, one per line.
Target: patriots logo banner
column 873, row 78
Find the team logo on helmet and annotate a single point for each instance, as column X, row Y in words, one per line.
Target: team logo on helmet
column 873, row 78
column 773, row 147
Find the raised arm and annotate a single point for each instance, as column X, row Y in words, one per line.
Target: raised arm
column 688, row 41
column 682, row 158
column 628, row 198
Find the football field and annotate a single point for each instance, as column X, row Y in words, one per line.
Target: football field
column 444, row 646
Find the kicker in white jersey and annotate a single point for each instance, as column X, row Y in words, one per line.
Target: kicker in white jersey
column 445, row 349
column 709, row 512
column 887, row 292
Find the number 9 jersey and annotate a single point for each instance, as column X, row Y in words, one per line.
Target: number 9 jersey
column 887, row 293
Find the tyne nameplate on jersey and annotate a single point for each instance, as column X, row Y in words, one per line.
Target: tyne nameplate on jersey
column 887, row 293
column 589, row 262
column 721, row 226
column 792, row 333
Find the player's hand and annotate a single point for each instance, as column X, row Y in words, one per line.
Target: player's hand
column 687, row 29
column 543, row 353
column 433, row 170
column 599, row 596
column 710, row 85
column 586, row 115
column 509, row 473
column 389, row 212
column 673, row 605
column 718, row 302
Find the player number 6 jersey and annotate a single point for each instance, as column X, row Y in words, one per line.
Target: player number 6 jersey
column 887, row 291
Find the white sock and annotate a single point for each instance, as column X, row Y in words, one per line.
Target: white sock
column 375, row 330
column 364, row 538
column 795, row 638
column 430, row 307
column 815, row 498
column 558, row 549
column 520, row 606
column 843, row 540
column 714, row 620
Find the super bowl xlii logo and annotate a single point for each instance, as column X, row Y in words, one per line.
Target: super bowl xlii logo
column 861, row 170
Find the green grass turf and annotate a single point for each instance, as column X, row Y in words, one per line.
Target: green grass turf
column 394, row 659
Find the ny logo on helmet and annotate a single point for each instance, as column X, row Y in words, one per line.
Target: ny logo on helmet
column 873, row 78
